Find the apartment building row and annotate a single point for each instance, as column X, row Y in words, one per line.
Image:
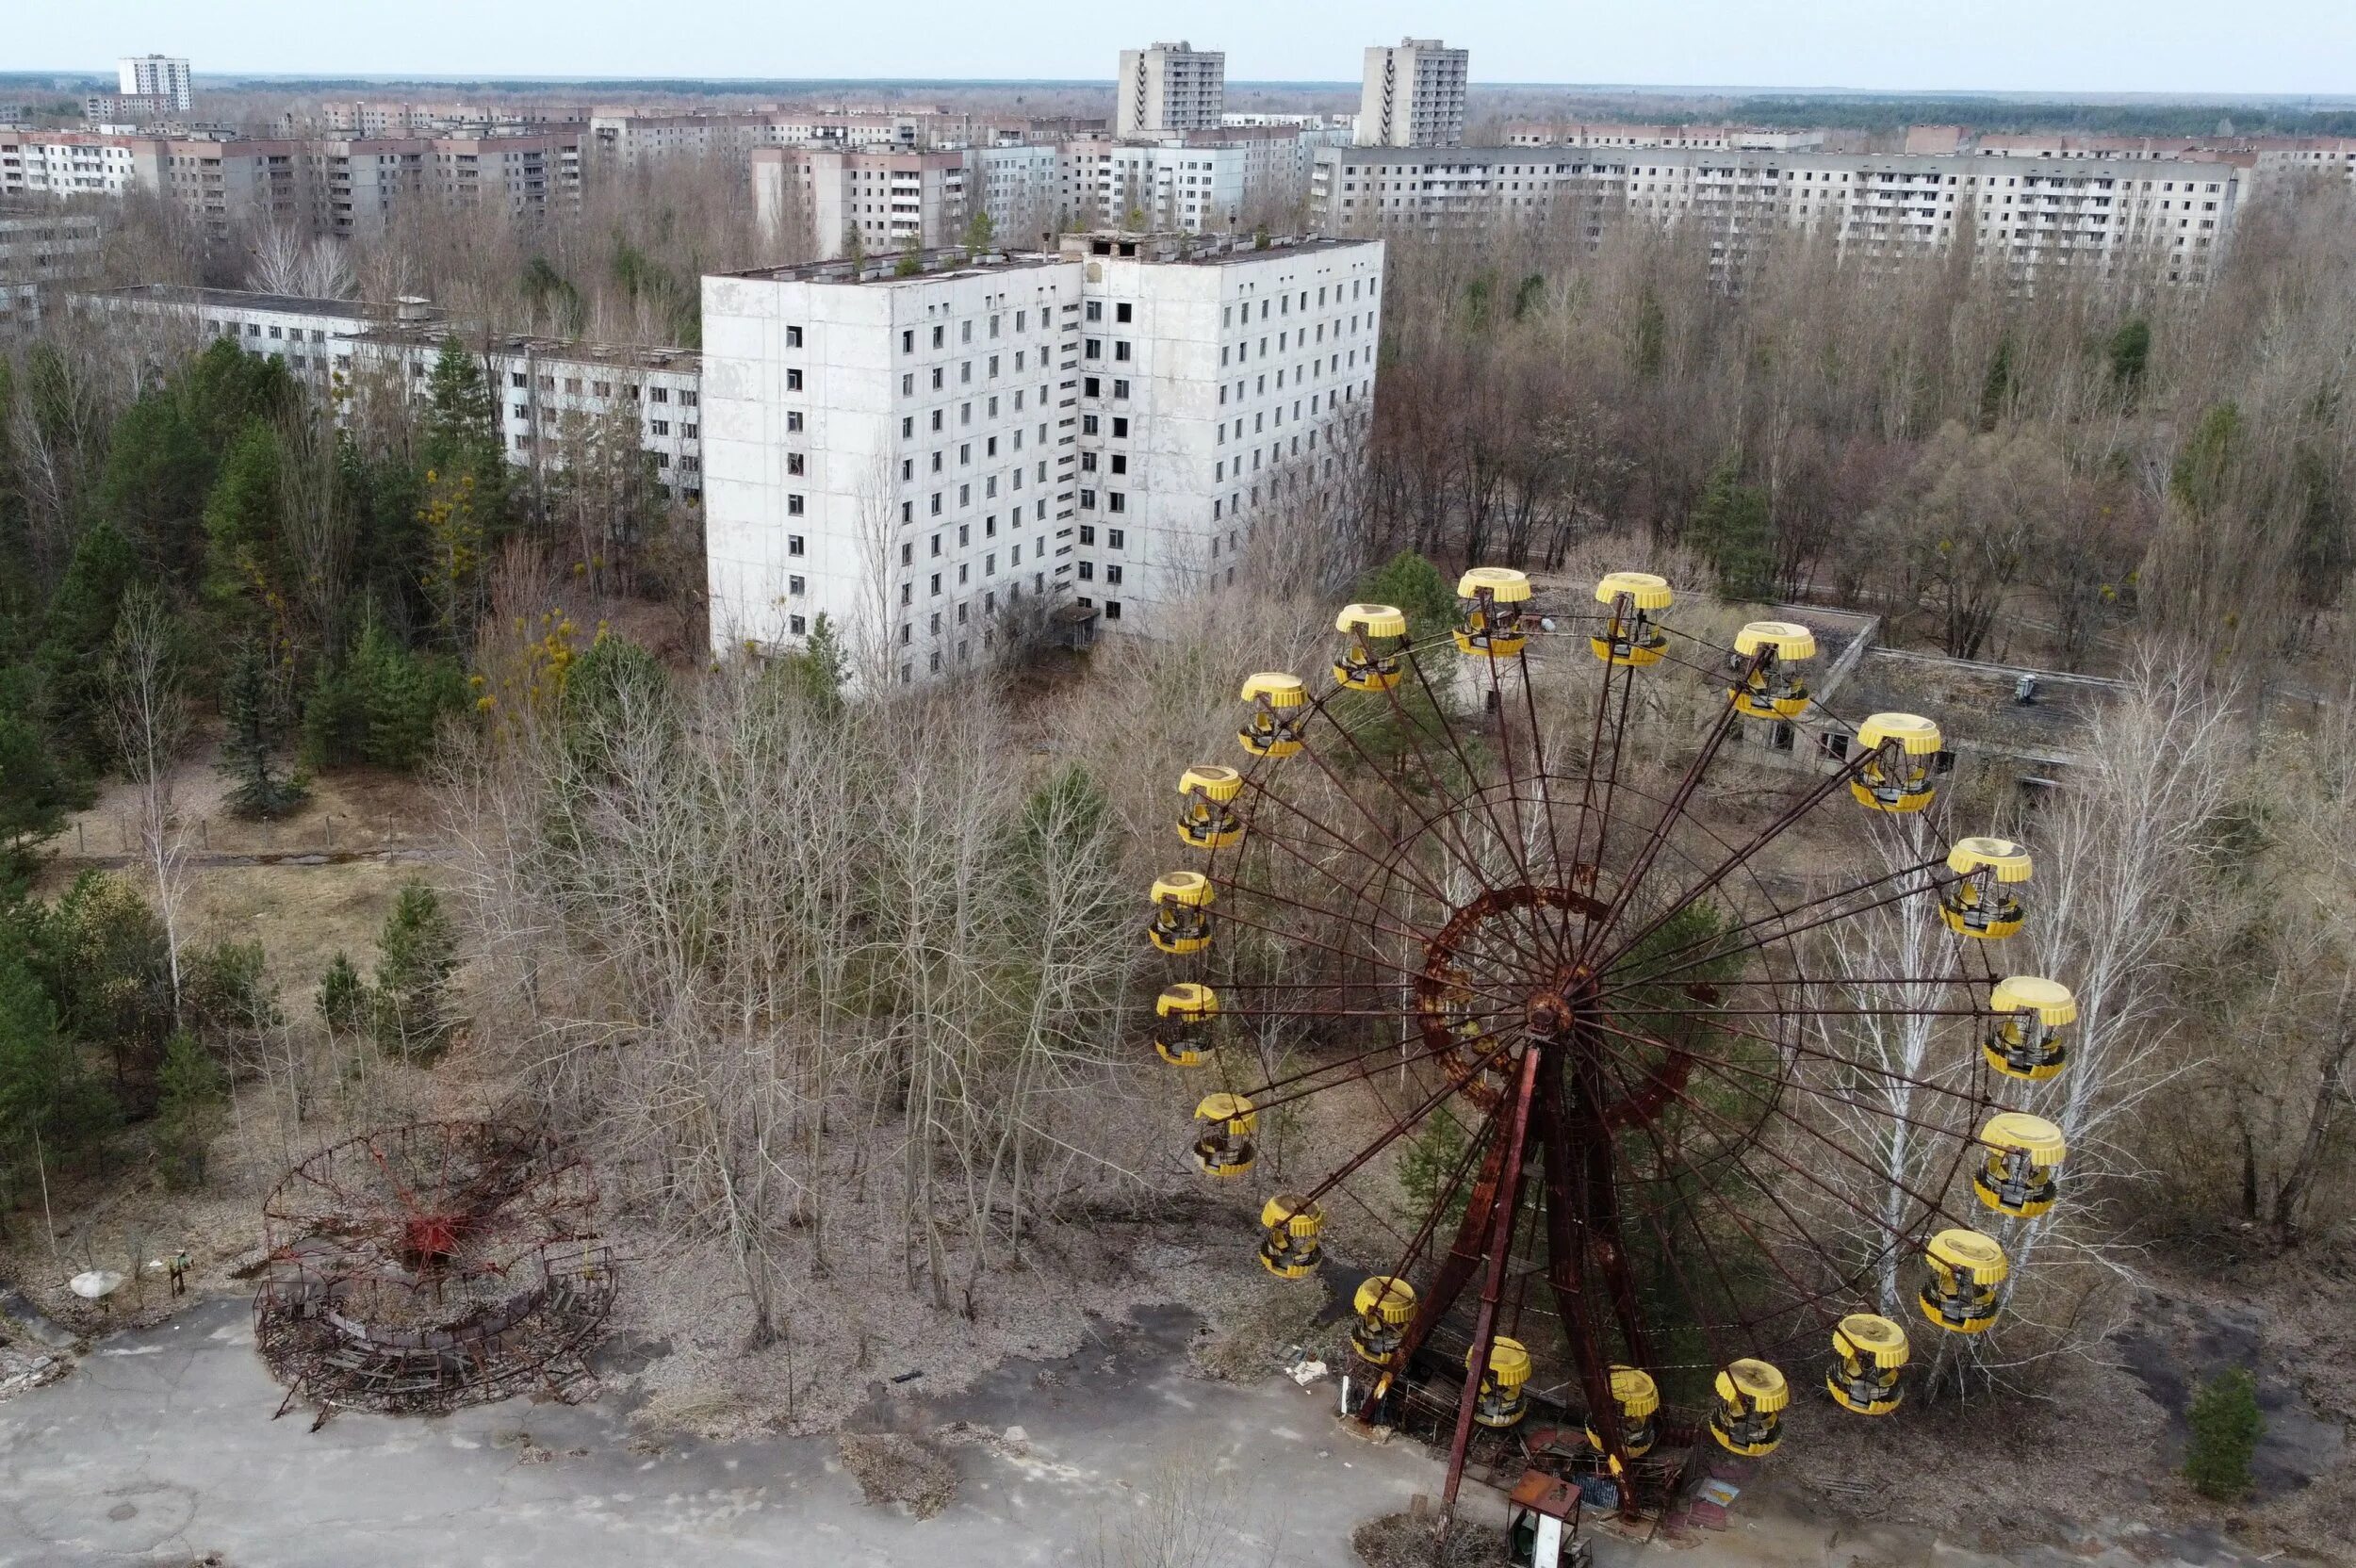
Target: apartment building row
column 1103, row 429
column 549, row 391
column 2173, row 217
column 341, row 186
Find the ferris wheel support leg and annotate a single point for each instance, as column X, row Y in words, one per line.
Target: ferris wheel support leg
column 1464, row 1256
column 1515, row 1145
column 1566, row 1267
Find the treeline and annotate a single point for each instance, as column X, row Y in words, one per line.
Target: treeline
column 2003, row 472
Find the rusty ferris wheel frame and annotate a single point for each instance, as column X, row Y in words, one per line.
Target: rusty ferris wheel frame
column 1604, row 995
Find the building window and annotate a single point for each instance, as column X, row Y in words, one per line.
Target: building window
column 1121, row 348
column 1087, row 571
column 793, row 419
column 1089, row 388
column 796, row 625
column 1112, row 609
column 795, row 462
column 793, row 338
column 1116, row 501
column 1116, row 538
column 793, row 506
column 1112, row 575
column 793, row 380
column 655, row 394
column 1120, row 312
column 794, row 545
column 1088, row 533
column 797, row 586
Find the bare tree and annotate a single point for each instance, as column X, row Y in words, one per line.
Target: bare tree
column 150, row 719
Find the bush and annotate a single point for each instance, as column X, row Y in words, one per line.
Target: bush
column 2226, row 1425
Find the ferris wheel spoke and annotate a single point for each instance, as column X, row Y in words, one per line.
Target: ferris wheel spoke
column 1262, row 891
column 1814, row 797
column 1443, row 820
column 1671, row 813
column 1602, row 812
column 1798, row 1048
column 1399, row 1128
column 1471, row 774
column 1230, row 917
column 1700, row 1171
column 1794, row 1167
column 1779, row 913
column 1385, row 1049
column 1399, row 859
column 1758, row 942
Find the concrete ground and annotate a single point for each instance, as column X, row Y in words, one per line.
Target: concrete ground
column 160, row 1450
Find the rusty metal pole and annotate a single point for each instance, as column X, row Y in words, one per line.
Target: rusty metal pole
column 1500, row 1245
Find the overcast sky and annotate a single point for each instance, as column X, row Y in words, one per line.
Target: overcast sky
column 2047, row 45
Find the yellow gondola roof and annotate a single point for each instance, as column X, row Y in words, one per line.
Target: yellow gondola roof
column 1789, row 639
column 1182, row 887
column 1970, row 1253
column 1634, row 1392
column 1504, row 583
column 2020, row 1132
column 1870, row 1336
column 1280, row 689
column 2008, row 860
column 2050, row 999
column 1758, row 1383
column 1234, row 1109
column 1916, row 735
column 1371, row 620
column 1187, row 998
column 1215, row 781
column 1645, row 590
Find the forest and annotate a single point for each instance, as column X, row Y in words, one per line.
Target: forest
column 895, row 1049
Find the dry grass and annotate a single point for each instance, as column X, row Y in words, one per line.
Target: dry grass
column 1403, row 1541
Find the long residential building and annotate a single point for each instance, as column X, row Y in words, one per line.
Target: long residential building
column 330, row 186
column 547, row 390
column 1103, row 430
column 2172, row 217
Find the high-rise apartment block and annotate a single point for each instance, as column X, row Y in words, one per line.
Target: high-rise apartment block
column 155, row 76
column 1102, row 431
column 1170, row 86
column 1413, row 95
column 886, row 199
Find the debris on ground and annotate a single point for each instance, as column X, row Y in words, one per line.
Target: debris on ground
column 892, row 1468
column 1271, row 1326
column 1308, row 1371
column 1406, row 1540
column 20, row 1369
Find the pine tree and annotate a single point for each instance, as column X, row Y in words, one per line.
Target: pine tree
column 1413, row 586
column 343, row 998
column 187, row 1115
column 50, row 1109
column 417, row 952
column 244, row 569
column 2226, row 1425
column 255, row 708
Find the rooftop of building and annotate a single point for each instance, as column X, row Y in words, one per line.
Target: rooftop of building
column 238, row 298
column 1201, row 250
column 409, row 322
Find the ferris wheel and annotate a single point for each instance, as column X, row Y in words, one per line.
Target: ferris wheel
column 1440, row 889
